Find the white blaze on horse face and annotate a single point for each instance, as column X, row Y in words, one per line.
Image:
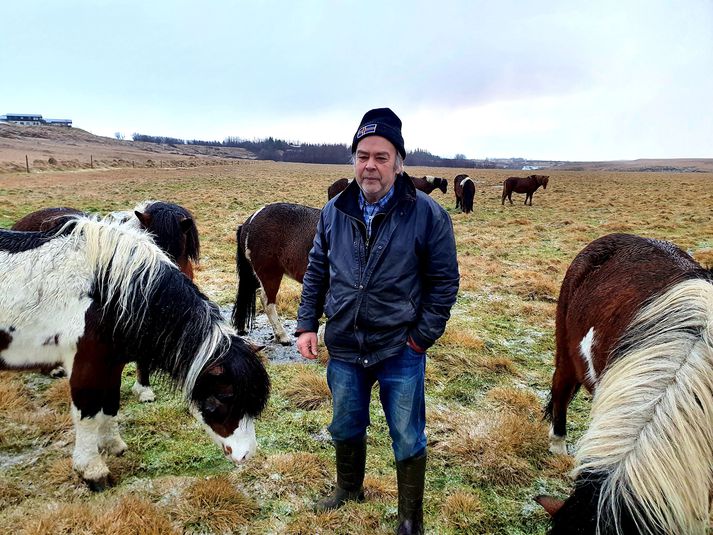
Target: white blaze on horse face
column 585, row 348
column 239, row 446
column 43, row 302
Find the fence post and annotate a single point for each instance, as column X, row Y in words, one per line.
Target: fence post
column 91, row 161
column 27, row 163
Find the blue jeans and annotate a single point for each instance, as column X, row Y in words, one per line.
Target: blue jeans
column 401, row 390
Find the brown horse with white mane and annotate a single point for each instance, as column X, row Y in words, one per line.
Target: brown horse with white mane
column 527, row 185
column 635, row 326
column 274, row 241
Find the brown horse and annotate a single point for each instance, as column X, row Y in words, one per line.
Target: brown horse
column 464, row 188
column 171, row 226
column 605, row 286
column 527, row 185
column 426, row 184
column 635, row 325
column 274, row 241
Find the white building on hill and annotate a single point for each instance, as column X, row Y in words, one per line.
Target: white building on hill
column 32, row 119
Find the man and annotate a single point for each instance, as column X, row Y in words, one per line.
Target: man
column 383, row 269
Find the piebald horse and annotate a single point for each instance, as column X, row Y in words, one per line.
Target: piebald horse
column 635, row 326
column 464, row 189
column 91, row 295
column 173, row 229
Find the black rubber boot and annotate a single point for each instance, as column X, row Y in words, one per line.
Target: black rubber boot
column 351, row 463
column 411, row 475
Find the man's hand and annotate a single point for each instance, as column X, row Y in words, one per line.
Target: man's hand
column 307, row 345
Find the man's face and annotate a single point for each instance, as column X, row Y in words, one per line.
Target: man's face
column 375, row 164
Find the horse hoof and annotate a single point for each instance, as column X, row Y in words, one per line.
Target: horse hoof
column 285, row 343
column 143, row 393
column 99, row 485
column 58, row 373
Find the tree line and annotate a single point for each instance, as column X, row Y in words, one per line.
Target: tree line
column 280, row 150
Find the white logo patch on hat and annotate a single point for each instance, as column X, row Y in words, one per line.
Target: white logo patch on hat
column 366, row 129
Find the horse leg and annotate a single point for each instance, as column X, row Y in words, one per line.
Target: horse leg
column 109, row 439
column 268, row 296
column 87, row 382
column 141, row 388
column 564, row 388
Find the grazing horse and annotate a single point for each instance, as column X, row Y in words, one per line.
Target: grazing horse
column 92, row 293
column 635, row 326
column 274, row 241
column 527, row 185
column 426, row 184
column 464, row 188
column 173, row 229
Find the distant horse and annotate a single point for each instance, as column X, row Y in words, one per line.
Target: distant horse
column 94, row 294
column 274, row 241
column 338, row 186
column 527, row 185
column 426, row 184
column 464, row 189
column 635, row 325
column 173, row 229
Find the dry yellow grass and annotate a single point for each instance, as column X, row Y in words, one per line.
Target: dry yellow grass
column 464, row 512
column 308, row 388
column 214, row 504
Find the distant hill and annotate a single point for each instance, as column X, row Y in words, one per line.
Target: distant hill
column 54, row 147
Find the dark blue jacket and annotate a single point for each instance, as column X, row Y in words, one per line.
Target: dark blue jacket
column 403, row 282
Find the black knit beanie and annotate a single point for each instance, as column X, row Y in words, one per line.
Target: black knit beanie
column 380, row 122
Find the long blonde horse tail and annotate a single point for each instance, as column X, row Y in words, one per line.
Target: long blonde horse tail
column 651, row 434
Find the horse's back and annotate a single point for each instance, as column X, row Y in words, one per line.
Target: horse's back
column 608, row 282
column 279, row 236
column 45, row 219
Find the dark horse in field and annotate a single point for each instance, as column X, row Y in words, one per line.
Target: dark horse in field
column 426, row 184
column 527, row 185
column 464, row 189
column 274, row 241
column 635, row 326
column 92, row 295
column 172, row 227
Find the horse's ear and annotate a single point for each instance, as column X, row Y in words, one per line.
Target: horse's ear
column 549, row 504
column 186, row 224
column 145, row 219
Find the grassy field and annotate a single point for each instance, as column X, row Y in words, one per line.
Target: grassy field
column 487, row 378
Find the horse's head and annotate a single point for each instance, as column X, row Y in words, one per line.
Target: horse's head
column 542, row 180
column 442, row 184
column 174, row 231
column 228, row 395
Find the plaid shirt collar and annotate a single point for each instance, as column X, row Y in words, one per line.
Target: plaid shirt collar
column 369, row 210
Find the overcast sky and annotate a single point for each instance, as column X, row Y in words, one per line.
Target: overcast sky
column 566, row 80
